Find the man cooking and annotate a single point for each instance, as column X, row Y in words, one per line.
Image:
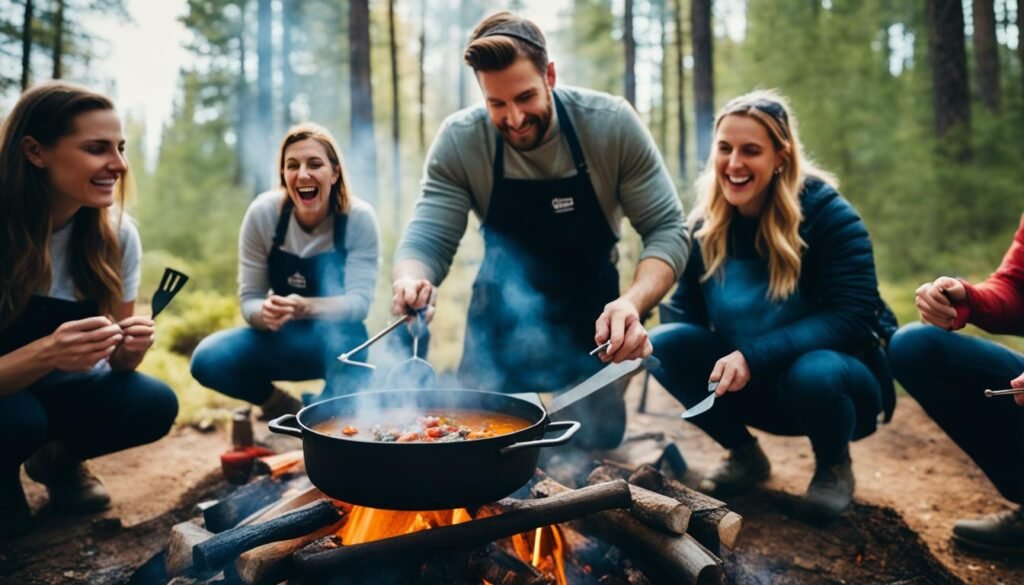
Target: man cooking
column 550, row 173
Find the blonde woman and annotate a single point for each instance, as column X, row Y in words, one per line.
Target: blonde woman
column 778, row 310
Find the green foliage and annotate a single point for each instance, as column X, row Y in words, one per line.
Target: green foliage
column 195, row 402
column 193, row 316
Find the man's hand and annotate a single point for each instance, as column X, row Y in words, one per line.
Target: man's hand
column 620, row 324
column 731, row 372
column 276, row 311
column 935, row 301
column 1018, row 382
column 410, row 294
column 76, row 346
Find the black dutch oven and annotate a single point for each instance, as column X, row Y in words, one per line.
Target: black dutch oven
column 439, row 475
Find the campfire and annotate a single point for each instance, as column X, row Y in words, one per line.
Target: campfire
column 626, row 526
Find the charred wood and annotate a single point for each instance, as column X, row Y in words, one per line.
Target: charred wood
column 470, row 535
column 501, row 568
column 243, row 502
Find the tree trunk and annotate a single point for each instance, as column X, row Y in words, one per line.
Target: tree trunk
column 242, row 130
column 986, row 53
column 663, row 29
column 1020, row 41
column 422, row 122
column 264, row 97
column 396, row 170
column 949, row 76
column 26, row 46
column 363, row 146
column 680, row 88
column 58, row 40
column 289, row 9
column 630, row 44
column 703, row 76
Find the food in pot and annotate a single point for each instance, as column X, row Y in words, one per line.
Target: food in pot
column 404, row 426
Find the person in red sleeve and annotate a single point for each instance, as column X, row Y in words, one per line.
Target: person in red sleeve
column 948, row 372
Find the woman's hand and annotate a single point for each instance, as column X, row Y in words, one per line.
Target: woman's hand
column 276, row 311
column 935, row 301
column 139, row 334
column 303, row 309
column 76, row 346
column 731, row 372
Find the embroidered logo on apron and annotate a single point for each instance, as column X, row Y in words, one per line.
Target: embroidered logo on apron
column 297, row 281
column 563, row 204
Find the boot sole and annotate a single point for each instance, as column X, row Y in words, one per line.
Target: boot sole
column 984, row 547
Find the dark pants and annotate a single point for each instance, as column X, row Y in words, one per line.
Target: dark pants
column 243, row 362
column 947, row 373
column 94, row 415
column 830, row 397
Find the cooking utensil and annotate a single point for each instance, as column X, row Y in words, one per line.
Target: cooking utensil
column 1008, row 392
column 704, row 405
column 439, row 475
column 171, row 282
column 600, row 348
column 602, row 378
column 414, row 372
column 344, row 358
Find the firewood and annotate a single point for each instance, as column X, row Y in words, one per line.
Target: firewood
column 271, row 563
column 712, row 522
column 291, row 501
column 280, row 464
column 179, row 550
column 501, row 568
column 225, row 546
column 242, row 502
column 654, row 509
column 676, row 558
column 469, row 535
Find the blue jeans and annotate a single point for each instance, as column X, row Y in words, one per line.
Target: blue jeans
column 243, row 362
column 94, row 415
column 947, row 374
column 829, row 396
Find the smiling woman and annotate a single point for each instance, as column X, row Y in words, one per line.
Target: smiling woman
column 69, row 343
column 308, row 257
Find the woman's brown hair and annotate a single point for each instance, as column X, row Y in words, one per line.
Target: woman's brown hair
column 339, row 197
column 47, row 113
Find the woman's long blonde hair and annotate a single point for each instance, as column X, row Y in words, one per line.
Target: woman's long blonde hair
column 340, row 197
column 778, row 235
column 47, row 112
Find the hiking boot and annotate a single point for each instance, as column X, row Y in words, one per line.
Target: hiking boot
column 745, row 466
column 830, row 492
column 1001, row 533
column 17, row 516
column 72, row 487
column 280, row 403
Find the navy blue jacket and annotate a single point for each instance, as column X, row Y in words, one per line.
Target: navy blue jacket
column 837, row 277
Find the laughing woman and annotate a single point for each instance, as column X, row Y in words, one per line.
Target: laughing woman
column 308, row 256
column 69, row 344
column 778, row 309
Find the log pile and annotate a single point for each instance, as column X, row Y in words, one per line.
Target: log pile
column 666, row 532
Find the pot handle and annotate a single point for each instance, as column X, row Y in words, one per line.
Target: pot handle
column 571, row 427
column 277, row 426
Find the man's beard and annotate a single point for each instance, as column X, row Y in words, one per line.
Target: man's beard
column 539, row 124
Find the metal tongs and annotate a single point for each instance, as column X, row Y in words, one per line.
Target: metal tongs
column 414, row 372
column 344, row 358
column 1008, row 392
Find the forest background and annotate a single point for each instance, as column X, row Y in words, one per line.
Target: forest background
column 917, row 106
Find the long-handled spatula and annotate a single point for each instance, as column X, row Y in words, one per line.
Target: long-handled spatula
column 172, row 282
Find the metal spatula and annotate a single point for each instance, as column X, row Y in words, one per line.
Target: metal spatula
column 172, row 282
column 704, row 405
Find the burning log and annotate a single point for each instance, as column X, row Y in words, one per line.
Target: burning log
column 469, row 535
column 654, row 509
column 222, row 548
column 677, row 558
column 712, row 523
column 500, row 568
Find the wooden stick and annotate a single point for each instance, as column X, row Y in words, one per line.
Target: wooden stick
column 224, row 547
column 272, row 562
column 281, row 463
column 654, row 509
column 244, row 501
column 675, row 558
column 529, row 516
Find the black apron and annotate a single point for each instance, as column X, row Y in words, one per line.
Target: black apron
column 322, row 275
column 41, row 317
column 546, row 275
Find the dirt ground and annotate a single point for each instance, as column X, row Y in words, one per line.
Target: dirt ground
column 908, row 472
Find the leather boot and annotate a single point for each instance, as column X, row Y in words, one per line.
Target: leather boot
column 830, row 492
column 72, row 487
column 745, row 466
column 1001, row 533
column 279, row 404
column 17, row 516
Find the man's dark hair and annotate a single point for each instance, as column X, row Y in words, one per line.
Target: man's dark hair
column 503, row 37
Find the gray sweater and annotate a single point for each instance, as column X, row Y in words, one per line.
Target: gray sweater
column 624, row 164
column 361, row 240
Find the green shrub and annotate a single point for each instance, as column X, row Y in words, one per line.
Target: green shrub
column 193, row 316
column 195, row 402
